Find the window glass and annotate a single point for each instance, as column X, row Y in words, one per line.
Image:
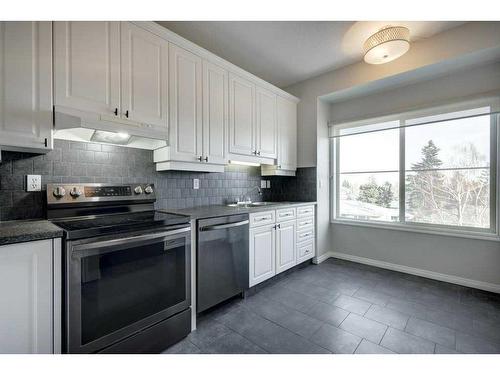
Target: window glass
column 369, row 196
column 369, row 152
column 446, row 180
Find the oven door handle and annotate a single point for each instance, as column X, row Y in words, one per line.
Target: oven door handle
column 126, row 240
column 223, row 226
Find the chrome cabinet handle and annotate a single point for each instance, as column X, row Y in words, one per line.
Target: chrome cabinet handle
column 223, row 226
column 262, row 218
column 142, row 237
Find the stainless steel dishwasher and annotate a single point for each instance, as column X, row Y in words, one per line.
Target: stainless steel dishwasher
column 222, row 259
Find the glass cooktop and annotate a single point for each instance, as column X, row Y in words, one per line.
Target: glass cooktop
column 108, row 224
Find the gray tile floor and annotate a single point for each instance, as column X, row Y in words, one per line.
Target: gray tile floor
column 346, row 307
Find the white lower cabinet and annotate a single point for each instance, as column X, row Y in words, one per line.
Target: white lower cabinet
column 279, row 240
column 285, row 246
column 30, row 285
column 262, row 253
column 305, row 251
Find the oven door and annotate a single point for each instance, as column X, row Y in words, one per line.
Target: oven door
column 116, row 287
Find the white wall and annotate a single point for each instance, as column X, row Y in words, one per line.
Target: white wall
column 478, row 261
column 413, row 83
column 323, row 232
column 452, row 87
column 450, row 50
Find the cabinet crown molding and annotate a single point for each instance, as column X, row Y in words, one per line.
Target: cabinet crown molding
column 200, row 51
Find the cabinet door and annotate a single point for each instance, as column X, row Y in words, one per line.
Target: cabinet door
column 285, row 246
column 215, row 113
column 241, row 116
column 262, row 254
column 185, row 105
column 26, row 85
column 26, row 294
column 87, row 66
column 287, row 129
column 267, row 127
column 144, row 76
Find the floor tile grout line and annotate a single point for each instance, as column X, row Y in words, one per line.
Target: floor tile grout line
column 386, row 329
column 279, row 325
column 225, row 325
column 357, row 346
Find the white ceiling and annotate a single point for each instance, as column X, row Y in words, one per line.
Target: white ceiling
column 286, row 52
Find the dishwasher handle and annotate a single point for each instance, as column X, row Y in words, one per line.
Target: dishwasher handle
column 223, row 226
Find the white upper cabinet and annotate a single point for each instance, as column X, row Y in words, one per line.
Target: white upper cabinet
column 287, row 128
column 186, row 136
column 111, row 76
column 215, row 113
column 26, row 86
column 253, row 127
column 266, row 124
column 241, row 116
column 87, row 66
column 144, row 76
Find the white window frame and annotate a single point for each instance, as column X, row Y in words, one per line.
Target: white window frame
column 492, row 234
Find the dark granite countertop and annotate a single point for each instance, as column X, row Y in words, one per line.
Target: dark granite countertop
column 203, row 212
column 27, row 230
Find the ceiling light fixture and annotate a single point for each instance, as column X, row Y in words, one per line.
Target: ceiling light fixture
column 387, row 44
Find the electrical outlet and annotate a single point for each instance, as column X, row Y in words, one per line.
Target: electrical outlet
column 268, row 184
column 262, row 184
column 196, row 183
column 33, row 182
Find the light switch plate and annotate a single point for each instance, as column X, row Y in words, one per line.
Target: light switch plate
column 268, row 184
column 33, row 182
column 262, row 184
column 196, row 183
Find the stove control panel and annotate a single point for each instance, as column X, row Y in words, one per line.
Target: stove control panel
column 108, row 191
column 81, row 193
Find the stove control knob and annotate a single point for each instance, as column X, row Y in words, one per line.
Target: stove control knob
column 75, row 192
column 148, row 189
column 59, row 192
column 138, row 190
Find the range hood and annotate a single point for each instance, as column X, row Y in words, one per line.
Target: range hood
column 82, row 126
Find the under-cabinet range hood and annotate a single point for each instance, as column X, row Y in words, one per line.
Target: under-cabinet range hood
column 87, row 127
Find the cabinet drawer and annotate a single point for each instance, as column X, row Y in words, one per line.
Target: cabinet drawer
column 285, row 214
column 262, row 218
column 305, row 235
column 305, row 251
column 303, row 223
column 305, row 211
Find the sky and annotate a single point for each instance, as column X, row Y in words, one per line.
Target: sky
column 380, row 150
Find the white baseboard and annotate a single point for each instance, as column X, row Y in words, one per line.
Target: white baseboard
column 321, row 258
column 490, row 287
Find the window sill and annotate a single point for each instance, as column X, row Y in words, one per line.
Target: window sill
column 421, row 229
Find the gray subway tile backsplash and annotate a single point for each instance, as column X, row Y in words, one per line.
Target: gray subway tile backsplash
column 91, row 162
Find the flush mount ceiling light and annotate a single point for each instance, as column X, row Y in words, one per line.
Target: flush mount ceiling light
column 387, row 44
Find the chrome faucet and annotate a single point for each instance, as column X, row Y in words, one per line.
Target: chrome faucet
column 245, row 198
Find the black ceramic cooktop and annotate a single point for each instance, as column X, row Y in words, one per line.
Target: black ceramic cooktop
column 108, row 224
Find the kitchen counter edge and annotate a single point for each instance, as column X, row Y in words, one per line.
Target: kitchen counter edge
column 204, row 212
column 12, row 232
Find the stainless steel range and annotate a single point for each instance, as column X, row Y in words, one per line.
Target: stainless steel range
column 126, row 269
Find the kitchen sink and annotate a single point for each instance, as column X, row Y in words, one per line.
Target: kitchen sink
column 253, row 204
